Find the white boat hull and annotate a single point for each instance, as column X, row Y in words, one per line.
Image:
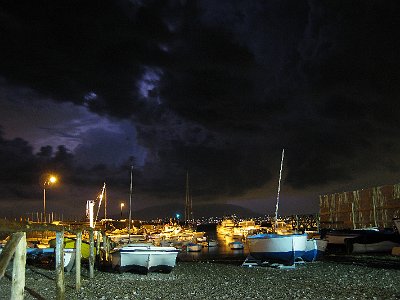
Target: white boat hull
column 144, row 258
column 384, row 246
column 315, row 248
column 194, row 247
column 69, row 259
column 277, row 248
column 69, row 255
column 211, row 243
column 338, row 238
column 236, row 245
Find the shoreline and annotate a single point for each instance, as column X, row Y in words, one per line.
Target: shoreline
column 209, row 280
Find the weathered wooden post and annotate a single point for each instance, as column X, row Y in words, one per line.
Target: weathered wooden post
column 60, row 285
column 91, row 255
column 18, row 273
column 108, row 248
column 78, row 251
column 98, row 246
column 8, row 251
column 105, row 240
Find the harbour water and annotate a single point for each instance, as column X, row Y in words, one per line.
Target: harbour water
column 221, row 253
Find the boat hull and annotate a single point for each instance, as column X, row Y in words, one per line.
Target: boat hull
column 69, row 259
column 373, row 242
column 283, row 249
column 193, row 247
column 144, row 258
column 70, row 243
column 315, row 249
column 236, row 245
column 38, row 253
column 211, row 243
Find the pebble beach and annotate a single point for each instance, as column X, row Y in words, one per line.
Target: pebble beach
column 208, row 280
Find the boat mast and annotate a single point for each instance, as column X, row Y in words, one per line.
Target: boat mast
column 187, row 198
column 130, row 205
column 100, row 197
column 105, row 204
column 188, row 202
column 279, row 189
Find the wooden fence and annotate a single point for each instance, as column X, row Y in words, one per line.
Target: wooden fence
column 16, row 247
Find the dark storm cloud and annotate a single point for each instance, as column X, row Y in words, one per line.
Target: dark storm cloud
column 23, row 172
column 220, row 88
column 16, row 159
column 68, row 50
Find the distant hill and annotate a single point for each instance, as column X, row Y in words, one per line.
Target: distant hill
column 203, row 210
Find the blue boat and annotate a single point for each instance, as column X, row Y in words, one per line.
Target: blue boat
column 277, row 248
column 315, row 249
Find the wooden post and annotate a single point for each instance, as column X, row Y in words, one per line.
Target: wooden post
column 78, row 250
column 91, row 255
column 98, row 246
column 60, row 285
column 18, row 273
column 105, row 240
column 9, row 250
column 108, row 249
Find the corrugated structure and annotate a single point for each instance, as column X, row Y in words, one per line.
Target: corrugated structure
column 373, row 207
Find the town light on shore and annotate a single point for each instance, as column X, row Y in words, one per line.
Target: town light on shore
column 49, row 181
column 122, row 206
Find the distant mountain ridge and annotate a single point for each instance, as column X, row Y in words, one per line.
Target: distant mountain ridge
column 199, row 211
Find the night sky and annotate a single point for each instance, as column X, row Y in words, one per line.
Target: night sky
column 215, row 88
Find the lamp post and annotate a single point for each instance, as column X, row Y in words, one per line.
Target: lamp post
column 122, row 205
column 50, row 180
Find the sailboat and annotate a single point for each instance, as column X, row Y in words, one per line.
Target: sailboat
column 188, row 203
column 142, row 258
column 275, row 247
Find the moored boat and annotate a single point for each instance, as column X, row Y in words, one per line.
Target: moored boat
column 144, row 258
column 193, row 247
column 69, row 243
column 315, row 249
column 37, row 254
column 373, row 242
column 69, row 259
column 276, row 248
column 337, row 237
column 211, row 243
column 237, row 245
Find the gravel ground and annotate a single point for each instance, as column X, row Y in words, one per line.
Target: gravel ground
column 202, row 280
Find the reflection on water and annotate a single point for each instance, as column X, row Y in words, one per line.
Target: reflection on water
column 220, row 253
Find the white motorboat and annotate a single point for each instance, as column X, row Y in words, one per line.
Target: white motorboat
column 237, row 245
column 144, row 258
column 211, row 243
column 193, row 247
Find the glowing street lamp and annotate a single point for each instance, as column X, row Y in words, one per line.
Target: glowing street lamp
column 49, row 181
column 122, row 205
